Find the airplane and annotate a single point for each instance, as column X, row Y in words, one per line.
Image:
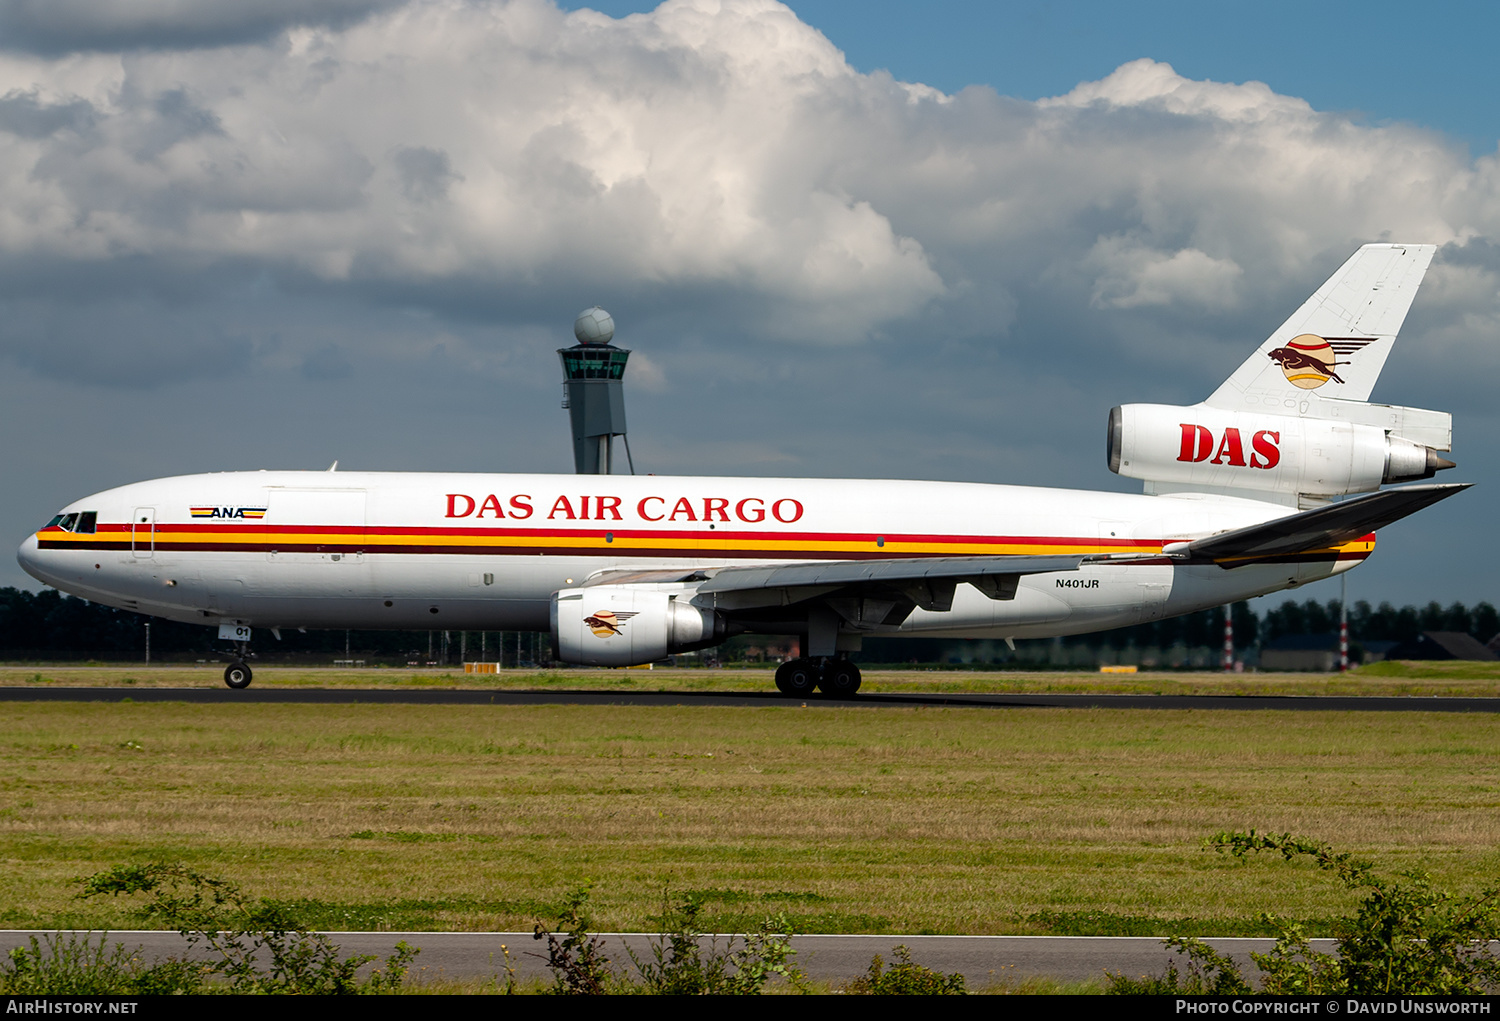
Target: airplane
column 1240, row 500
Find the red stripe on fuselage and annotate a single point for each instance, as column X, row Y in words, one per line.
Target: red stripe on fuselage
column 598, row 531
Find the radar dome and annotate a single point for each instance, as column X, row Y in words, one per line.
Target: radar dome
column 594, row 326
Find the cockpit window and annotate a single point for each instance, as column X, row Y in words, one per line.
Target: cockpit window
column 86, row 522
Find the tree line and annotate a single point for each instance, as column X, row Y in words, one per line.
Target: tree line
column 48, row 623
column 1367, row 623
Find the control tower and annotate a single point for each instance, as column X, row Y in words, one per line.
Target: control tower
column 593, row 380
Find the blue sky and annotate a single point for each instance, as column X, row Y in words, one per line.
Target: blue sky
column 1432, row 64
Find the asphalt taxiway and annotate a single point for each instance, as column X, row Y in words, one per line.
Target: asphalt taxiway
column 982, row 960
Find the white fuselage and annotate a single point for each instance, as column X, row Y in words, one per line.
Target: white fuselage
column 487, row 552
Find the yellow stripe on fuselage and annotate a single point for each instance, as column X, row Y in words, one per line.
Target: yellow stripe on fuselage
column 292, row 542
column 625, row 544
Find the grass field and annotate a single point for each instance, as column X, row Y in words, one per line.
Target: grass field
column 1404, row 678
column 891, row 820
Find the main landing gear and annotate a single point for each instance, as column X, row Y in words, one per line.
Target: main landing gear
column 836, row 677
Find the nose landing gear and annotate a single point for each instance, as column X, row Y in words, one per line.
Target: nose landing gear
column 238, row 674
column 835, row 677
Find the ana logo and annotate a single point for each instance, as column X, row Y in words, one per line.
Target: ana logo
column 606, row 623
column 247, row 513
column 1308, row 361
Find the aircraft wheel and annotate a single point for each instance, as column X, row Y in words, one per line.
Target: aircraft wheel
column 237, row 674
column 797, row 677
column 840, row 678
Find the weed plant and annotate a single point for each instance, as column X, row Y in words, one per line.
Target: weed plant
column 679, row 962
column 905, row 978
column 74, row 965
column 259, row 948
column 1406, row 937
column 577, row 959
column 1209, row 973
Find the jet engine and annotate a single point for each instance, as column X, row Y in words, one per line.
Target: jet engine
column 1200, row 446
column 624, row 625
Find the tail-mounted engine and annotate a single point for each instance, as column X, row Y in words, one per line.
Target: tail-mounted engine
column 1217, row 450
column 624, row 625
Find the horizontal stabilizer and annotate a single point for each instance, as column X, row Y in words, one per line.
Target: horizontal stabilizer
column 1320, row 529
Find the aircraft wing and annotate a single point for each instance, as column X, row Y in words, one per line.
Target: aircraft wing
column 1320, row 529
column 926, row 582
column 885, row 590
column 845, row 573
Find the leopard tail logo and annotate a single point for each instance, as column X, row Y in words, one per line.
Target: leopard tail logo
column 607, row 623
column 1309, row 361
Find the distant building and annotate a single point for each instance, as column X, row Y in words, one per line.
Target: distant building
column 1442, row 645
column 1308, row 653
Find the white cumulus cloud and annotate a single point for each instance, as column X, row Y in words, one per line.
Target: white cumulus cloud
column 1131, row 276
column 709, row 153
column 497, row 144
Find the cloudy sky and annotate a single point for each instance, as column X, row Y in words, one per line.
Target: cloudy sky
column 881, row 239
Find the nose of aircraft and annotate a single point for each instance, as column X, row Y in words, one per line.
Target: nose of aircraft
column 29, row 556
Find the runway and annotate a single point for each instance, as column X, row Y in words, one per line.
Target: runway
column 755, row 699
column 982, row 960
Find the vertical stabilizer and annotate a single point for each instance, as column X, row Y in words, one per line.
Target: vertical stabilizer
column 1335, row 345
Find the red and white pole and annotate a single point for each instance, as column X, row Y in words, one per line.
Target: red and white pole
column 1344, row 626
column 1228, row 660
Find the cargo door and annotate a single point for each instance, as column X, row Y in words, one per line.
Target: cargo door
column 317, row 542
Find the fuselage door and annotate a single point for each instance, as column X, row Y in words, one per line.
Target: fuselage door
column 1153, row 599
column 143, row 532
